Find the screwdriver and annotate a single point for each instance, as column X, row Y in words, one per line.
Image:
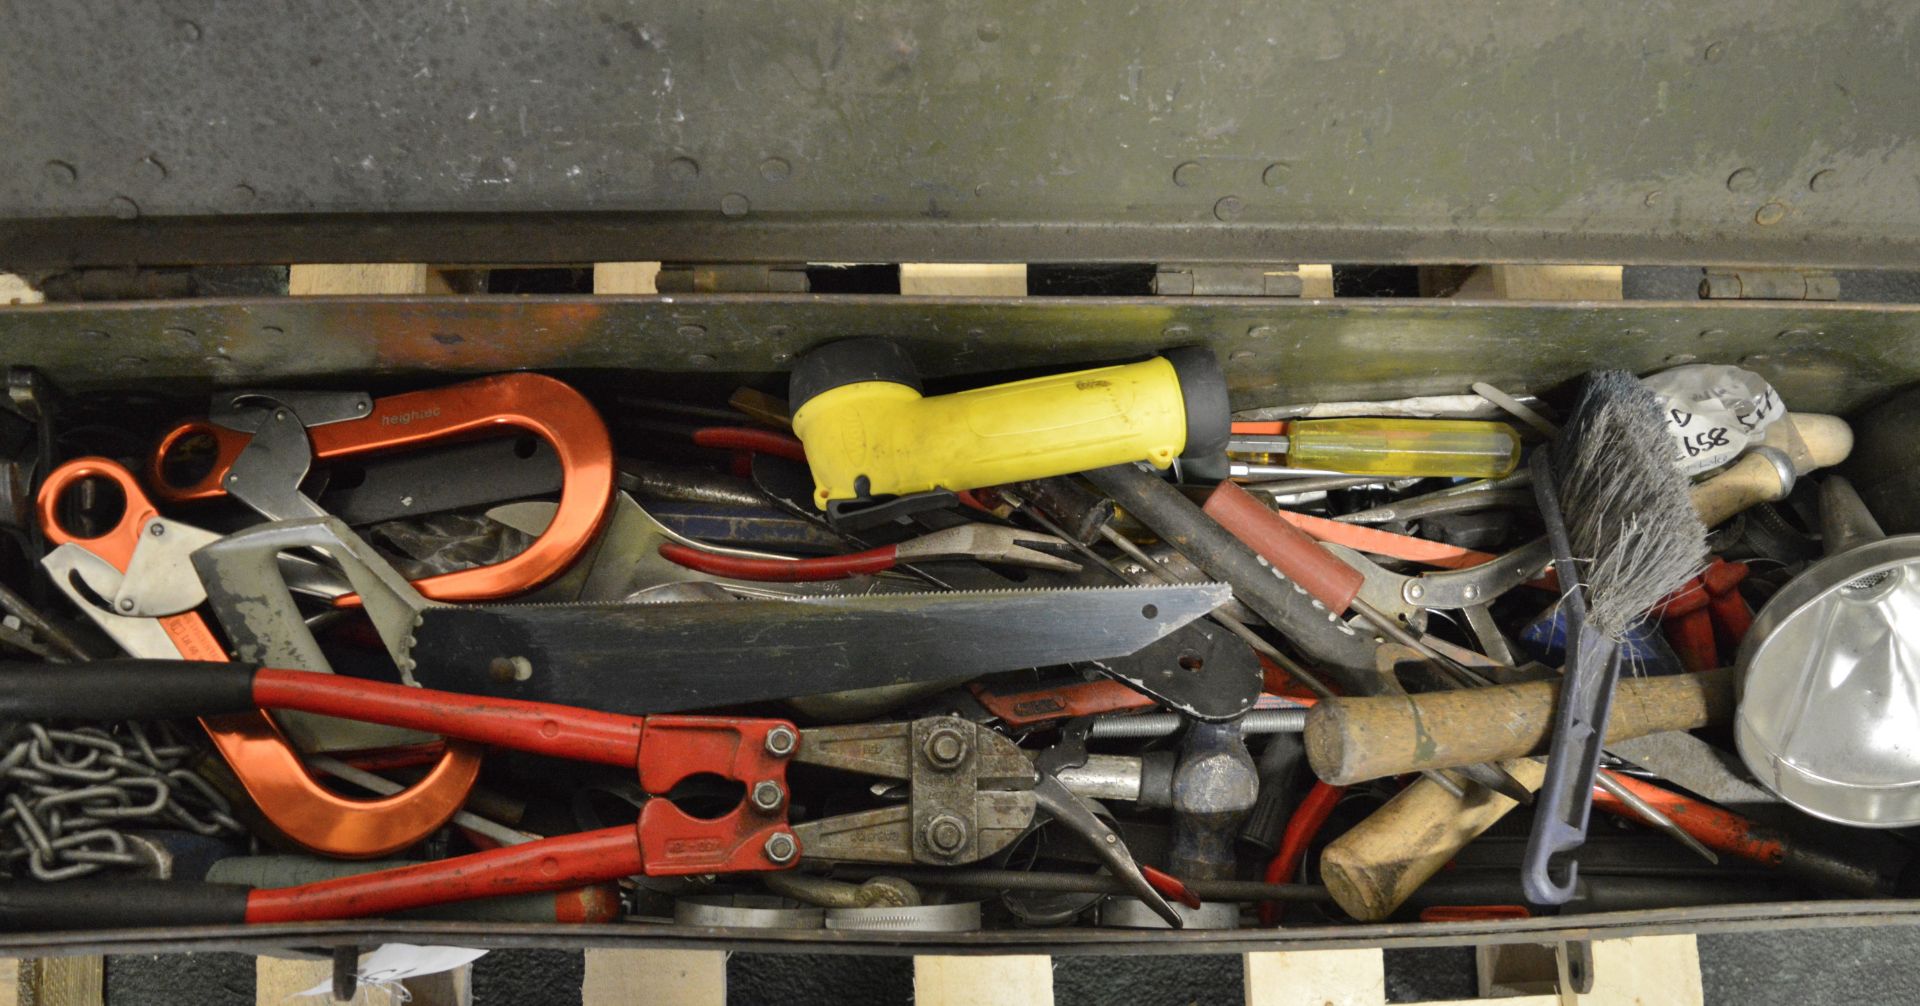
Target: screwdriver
column 1407, row 448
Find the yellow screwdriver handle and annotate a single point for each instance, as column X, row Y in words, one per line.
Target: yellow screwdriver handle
column 1408, row 448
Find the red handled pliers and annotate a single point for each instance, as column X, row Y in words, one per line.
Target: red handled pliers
column 1707, row 617
column 983, row 542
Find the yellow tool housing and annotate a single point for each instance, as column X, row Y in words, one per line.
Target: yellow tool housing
column 880, row 437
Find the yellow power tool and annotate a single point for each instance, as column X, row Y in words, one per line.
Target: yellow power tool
column 870, row 433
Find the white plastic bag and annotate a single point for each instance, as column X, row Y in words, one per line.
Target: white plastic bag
column 1713, row 412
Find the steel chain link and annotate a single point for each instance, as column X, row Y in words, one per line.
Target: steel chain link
column 69, row 795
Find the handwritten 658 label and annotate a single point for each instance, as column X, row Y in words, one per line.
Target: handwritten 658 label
column 1711, row 431
column 1705, row 441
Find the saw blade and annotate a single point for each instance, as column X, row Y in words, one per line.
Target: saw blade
column 650, row 658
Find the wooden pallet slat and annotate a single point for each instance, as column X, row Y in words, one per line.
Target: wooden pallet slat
column 1013, row 980
column 631, row 278
column 389, row 278
column 659, row 977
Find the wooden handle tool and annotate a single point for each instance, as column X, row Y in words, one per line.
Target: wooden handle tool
column 1382, row 860
column 1808, row 441
column 1352, row 740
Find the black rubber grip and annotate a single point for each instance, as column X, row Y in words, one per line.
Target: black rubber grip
column 1203, row 392
column 27, row 906
column 849, row 361
column 124, row 689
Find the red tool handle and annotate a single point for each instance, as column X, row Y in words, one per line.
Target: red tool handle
column 829, row 567
column 1716, row 827
column 550, row 864
column 1374, row 541
column 539, row 727
column 1291, row 551
column 1170, row 886
column 1474, row 913
column 1707, row 616
column 1731, row 615
column 1301, row 828
column 746, row 438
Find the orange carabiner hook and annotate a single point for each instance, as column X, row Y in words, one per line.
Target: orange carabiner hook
column 267, row 765
column 532, row 402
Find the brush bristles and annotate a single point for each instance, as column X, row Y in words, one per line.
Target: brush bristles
column 1629, row 517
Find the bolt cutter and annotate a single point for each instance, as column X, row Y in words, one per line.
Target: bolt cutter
column 971, row 793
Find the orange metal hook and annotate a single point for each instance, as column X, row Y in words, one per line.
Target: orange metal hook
column 532, row 402
column 267, row 765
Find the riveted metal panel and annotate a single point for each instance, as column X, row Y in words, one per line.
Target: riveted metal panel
column 1822, row 356
column 1726, row 131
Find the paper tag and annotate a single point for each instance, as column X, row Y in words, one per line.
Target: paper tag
column 391, row 963
column 1713, row 412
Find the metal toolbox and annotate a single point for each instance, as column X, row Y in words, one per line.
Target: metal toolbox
column 1212, row 147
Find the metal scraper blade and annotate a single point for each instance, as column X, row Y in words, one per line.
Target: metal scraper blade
column 650, row 658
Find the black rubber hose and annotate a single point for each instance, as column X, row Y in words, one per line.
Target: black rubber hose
column 123, row 689
column 1343, row 653
column 118, row 904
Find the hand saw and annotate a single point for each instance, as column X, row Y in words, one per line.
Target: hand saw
column 648, row 658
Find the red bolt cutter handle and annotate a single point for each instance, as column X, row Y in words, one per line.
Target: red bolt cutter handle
column 550, row 864
column 664, row 750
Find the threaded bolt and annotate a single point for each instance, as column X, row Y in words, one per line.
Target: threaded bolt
column 780, row 741
column 781, row 848
column 767, row 795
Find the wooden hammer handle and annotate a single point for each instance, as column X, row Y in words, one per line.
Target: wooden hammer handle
column 1352, row 740
column 1377, row 864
